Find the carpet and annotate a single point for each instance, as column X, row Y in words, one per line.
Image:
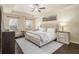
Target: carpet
column 29, row 48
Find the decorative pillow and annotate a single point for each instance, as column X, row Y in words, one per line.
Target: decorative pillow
column 51, row 30
column 43, row 29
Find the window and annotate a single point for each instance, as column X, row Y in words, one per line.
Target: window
column 28, row 24
column 13, row 24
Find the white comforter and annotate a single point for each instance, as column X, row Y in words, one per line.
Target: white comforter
column 43, row 36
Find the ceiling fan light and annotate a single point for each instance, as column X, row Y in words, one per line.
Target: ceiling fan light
column 36, row 9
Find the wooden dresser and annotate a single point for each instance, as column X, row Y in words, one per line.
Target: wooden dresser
column 0, row 25
column 8, row 42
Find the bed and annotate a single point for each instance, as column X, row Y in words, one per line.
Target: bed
column 46, row 33
column 42, row 36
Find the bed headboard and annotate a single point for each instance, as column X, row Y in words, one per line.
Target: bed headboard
column 50, row 24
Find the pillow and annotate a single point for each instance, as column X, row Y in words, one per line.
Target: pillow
column 43, row 29
column 51, row 30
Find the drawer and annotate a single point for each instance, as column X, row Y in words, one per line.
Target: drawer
column 63, row 37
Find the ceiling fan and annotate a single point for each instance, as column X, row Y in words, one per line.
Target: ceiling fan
column 37, row 7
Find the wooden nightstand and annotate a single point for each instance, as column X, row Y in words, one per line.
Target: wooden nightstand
column 63, row 37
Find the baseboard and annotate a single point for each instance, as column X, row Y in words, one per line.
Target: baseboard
column 74, row 42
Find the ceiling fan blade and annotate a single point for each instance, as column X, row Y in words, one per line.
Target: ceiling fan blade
column 42, row 8
column 39, row 10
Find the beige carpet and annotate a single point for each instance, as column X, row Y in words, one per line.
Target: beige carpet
column 29, row 48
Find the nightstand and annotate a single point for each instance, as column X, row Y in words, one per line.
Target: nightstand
column 63, row 37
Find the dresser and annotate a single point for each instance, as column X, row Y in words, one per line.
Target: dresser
column 0, row 26
column 8, row 42
column 63, row 37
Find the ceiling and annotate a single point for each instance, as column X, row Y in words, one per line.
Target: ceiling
column 26, row 9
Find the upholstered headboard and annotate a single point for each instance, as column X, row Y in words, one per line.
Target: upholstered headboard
column 50, row 24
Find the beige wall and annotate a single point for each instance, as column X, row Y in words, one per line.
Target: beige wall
column 70, row 19
column 38, row 22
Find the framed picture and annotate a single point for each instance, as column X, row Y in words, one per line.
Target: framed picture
column 50, row 18
column 63, row 37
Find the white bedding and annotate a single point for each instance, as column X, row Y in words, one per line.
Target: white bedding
column 42, row 37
